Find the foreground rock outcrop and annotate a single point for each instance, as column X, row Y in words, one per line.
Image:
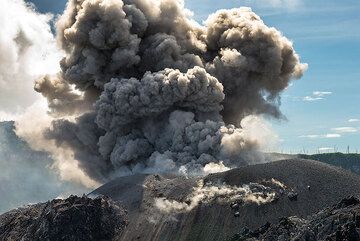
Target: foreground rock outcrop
column 71, row 219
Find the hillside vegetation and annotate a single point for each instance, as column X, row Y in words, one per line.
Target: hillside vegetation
column 349, row 162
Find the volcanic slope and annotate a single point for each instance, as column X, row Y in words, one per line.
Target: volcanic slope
column 166, row 207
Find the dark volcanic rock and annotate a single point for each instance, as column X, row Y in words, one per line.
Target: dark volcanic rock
column 216, row 221
column 101, row 219
column 292, row 196
column 338, row 223
column 71, row 219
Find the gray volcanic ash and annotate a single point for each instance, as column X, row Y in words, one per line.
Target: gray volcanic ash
column 228, row 201
column 158, row 92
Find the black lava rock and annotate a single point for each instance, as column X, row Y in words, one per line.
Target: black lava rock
column 71, row 219
column 292, row 196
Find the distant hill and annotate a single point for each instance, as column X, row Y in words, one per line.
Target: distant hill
column 25, row 174
column 349, row 162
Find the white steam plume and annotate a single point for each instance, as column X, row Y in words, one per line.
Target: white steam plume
column 28, row 50
column 32, row 132
column 222, row 193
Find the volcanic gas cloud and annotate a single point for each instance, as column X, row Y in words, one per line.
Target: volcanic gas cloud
column 153, row 90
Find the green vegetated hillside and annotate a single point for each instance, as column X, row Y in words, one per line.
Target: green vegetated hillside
column 349, row 162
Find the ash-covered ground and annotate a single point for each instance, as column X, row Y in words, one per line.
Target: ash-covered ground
column 165, row 207
column 274, row 201
column 339, row 222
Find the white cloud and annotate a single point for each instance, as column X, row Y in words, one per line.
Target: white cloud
column 64, row 160
column 326, row 149
column 316, row 95
column 28, row 50
column 330, row 135
column 353, row 120
column 310, row 136
column 5, row 116
column 321, row 93
column 345, row 129
column 337, row 133
column 312, row 98
column 287, row 4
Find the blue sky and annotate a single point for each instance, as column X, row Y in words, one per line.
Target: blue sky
column 326, row 34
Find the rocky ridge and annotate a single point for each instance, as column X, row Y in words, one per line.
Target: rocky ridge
column 71, row 219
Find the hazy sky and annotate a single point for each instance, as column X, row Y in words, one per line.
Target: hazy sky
column 323, row 107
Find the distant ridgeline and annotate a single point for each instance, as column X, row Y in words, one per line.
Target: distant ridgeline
column 26, row 175
column 349, row 162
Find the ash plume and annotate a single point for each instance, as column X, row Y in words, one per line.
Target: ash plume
column 155, row 91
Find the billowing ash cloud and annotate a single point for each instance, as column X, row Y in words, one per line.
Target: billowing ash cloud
column 157, row 91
